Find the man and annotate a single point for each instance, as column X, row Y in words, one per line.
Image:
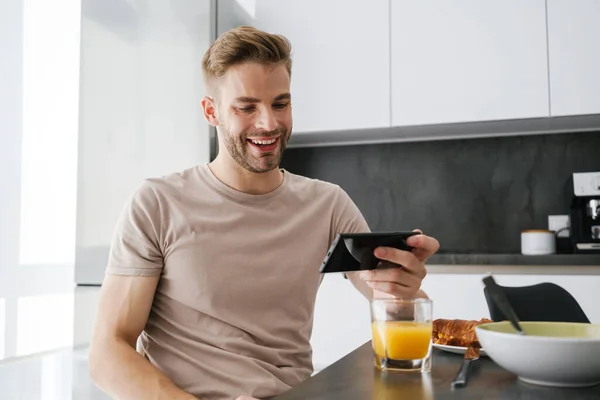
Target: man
column 215, row 268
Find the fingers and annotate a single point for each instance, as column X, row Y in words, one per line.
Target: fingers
column 395, row 275
column 404, row 258
column 405, row 281
column 399, row 282
column 394, row 289
column 424, row 246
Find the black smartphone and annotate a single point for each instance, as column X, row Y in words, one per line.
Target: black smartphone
column 354, row 251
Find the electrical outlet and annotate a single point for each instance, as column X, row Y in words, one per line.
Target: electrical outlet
column 558, row 222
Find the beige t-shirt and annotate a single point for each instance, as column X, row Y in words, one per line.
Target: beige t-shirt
column 239, row 273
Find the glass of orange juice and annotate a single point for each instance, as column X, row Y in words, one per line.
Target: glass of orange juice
column 402, row 330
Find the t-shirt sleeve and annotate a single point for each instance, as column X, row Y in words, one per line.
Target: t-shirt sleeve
column 135, row 248
column 347, row 216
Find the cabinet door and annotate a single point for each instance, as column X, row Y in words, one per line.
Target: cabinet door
column 340, row 50
column 574, row 53
column 468, row 60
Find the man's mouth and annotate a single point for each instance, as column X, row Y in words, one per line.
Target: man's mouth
column 264, row 144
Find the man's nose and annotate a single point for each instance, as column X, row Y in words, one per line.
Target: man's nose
column 266, row 120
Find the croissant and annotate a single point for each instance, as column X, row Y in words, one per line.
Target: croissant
column 456, row 332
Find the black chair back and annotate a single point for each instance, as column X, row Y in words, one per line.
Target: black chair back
column 542, row 302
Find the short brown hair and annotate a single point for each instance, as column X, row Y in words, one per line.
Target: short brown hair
column 245, row 44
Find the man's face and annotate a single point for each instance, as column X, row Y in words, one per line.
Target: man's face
column 254, row 114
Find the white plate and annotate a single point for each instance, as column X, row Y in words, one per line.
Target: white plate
column 456, row 349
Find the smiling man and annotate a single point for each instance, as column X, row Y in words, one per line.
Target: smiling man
column 213, row 271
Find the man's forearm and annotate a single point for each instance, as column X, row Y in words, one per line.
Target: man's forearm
column 125, row 374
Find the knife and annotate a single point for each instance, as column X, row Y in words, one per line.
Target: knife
column 471, row 355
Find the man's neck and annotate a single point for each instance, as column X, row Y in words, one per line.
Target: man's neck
column 233, row 175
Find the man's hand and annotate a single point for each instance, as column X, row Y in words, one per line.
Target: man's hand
column 246, row 398
column 403, row 279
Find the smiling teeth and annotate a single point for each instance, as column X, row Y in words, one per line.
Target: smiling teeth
column 263, row 141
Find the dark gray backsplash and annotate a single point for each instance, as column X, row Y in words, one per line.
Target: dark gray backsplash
column 473, row 195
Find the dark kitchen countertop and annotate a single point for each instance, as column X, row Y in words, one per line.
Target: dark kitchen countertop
column 513, row 259
column 354, row 377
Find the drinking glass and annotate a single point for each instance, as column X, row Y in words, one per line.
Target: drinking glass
column 402, row 330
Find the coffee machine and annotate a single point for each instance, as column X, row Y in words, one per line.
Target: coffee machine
column 584, row 213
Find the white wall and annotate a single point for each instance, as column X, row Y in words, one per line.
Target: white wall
column 39, row 53
column 140, row 113
column 11, row 67
column 33, row 114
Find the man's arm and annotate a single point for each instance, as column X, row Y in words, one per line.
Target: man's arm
column 115, row 366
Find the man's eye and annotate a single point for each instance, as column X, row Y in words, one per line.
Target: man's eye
column 280, row 106
column 246, row 109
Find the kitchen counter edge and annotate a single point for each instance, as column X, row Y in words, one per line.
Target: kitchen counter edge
column 557, row 264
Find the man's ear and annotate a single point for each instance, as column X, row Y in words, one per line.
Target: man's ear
column 209, row 107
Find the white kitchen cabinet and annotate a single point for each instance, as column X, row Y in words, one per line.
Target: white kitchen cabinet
column 468, row 60
column 341, row 58
column 342, row 321
column 574, row 56
column 461, row 295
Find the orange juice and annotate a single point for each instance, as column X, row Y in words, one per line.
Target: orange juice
column 401, row 340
